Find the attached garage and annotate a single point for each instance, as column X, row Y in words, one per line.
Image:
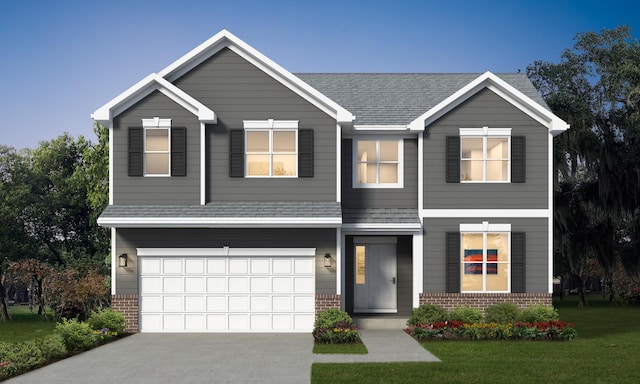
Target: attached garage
column 227, row 290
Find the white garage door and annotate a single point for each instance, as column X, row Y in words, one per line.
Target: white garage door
column 227, row 290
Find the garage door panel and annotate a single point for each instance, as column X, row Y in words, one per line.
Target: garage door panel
column 172, row 267
column 194, row 284
column 194, row 266
column 227, row 294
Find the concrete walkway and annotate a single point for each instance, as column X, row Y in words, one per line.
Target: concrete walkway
column 216, row 358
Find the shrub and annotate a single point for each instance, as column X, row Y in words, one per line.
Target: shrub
column 502, row 313
column 538, row 313
column 52, row 347
column 77, row 336
column 465, row 314
column 427, row 314
column 330, row 318
column 19, row 357
column 107, row 319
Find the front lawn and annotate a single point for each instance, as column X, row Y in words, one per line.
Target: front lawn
column 606, row 351
column 25, row 325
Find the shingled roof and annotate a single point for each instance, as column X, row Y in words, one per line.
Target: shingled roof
column 399, row 98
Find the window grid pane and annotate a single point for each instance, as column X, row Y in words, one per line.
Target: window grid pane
column 484, row 159
column 157, row 151
column 377, row 162
column 271, row 153
column 484, row 262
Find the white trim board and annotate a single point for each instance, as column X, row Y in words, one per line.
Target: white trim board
column 226, row 251
column 219, row 222
column 487, row 213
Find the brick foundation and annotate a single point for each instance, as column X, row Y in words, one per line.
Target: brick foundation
column 324, row 301
column 481, row 301
column 128, row 306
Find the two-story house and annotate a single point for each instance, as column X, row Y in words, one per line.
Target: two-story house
column 244, row 198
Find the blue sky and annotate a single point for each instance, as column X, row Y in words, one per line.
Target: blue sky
column 63, row 59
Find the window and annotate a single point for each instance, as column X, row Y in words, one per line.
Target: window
column 485, row 257
column 157, row 147
column 377, row 164
column 271, row 148
column 485, row 154
column 361, row 271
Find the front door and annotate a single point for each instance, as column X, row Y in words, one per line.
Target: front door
column 375, row 276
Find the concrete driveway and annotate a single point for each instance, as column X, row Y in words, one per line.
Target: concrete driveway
column 215, row 358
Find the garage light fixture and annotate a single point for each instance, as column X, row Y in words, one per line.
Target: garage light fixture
column 327, row 260
column 122, row 260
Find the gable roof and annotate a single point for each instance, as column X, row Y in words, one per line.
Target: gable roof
column 402, row 99
column 143, row 88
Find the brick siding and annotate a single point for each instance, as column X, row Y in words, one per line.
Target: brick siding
column 128, row 306
column 483, row 300
column 324, row 301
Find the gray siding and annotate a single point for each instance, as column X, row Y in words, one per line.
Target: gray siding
column 537, row 256
column 404, row 278
column 236, row 90
column 486, row 109
column 156, row 190
column 127, row 240
column 406, row 197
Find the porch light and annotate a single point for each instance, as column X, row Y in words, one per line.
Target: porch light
column 327, row 260
column 122, row 260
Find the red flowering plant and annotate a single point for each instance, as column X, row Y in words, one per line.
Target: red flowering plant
column 544, row 330
column 436, row 330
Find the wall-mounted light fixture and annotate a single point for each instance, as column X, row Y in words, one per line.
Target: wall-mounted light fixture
column 327, row 260
column 122, row 260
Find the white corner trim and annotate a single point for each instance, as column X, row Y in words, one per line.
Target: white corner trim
column 203, row 166
column 338, row 163
column 550, row 187
column 226, row 251
column 338, row 257
column 225, row 39
column 554, row 124
column 485, row 213
column 219, row 222
column 142, row 89
column 114, row 266
column 418, row 270
column 111, row 172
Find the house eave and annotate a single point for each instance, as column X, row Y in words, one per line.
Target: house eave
column 219, row 222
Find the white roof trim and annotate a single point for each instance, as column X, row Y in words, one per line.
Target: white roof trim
column 488, row 80
column 219, row 222
column 142, row 89
column 226, row 251
column 376, row 227
column 225, row 39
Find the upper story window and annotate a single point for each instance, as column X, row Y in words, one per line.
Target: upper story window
column 485, row 257
column 157, row 147
column 271, row 148
column 485, row 154
column 378, row 163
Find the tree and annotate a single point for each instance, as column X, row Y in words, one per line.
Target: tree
column 596, row 88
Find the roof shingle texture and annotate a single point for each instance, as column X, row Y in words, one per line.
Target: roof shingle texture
column 228, row 209
column 399, row 98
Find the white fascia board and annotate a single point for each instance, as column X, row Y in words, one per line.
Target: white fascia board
column 219, row 222
column 486, row 213
column 382, row 227
column 142, row 89
column 554, row 124
column 225, row 39
column 393, row 129
column 226, row 251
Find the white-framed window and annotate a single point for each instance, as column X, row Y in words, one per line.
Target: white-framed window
column 271, row 148
column 378, row 163
column 157, row 147
column 485, row 257
column 485, row 155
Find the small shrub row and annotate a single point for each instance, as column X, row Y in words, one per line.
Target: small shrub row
column 503, row 313
column 70, row 336
column 457, row 330
column 335, row 326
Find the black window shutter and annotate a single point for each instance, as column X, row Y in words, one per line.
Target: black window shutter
column 136, row 151
column 518, row 262
column 453, row 262
column 453, row 159
column 178, row 151
column 305, row 153
column 518, row 157
column 236, row 153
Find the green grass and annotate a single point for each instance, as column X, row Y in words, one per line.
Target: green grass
column 25, row 325
column 351, row 349
column 606, row 351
